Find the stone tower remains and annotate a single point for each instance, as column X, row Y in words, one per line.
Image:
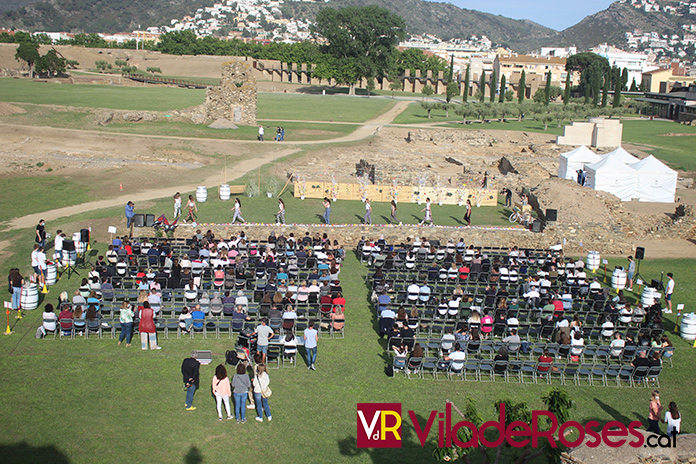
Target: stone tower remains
column 235, row 98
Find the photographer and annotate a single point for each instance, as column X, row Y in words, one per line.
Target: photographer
column 130, row 213
column 189, row 370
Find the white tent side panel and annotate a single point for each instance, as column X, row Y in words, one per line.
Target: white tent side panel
column 656, row 181
column 570, row 162
column 612, row 176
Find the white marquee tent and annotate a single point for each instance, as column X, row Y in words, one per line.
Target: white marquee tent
column 623, row 156
column 573, row 160
column 656, row 182
column 613, row 176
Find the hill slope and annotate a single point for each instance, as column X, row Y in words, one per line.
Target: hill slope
column 97, row 15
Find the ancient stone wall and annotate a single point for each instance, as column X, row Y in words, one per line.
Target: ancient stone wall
column 235, row 98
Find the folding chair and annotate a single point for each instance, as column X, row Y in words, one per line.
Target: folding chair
column 486, row 367
column 442, row 367
column 54, row 331
column 273, row 356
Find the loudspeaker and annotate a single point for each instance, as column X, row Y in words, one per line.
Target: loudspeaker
column 68, row 245
column 536, row 226
column 149, row 220
column 84, row 235
column 551, row 215
column 139, row 220
column 640, row 253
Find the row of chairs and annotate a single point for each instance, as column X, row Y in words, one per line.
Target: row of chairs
column 488, row 370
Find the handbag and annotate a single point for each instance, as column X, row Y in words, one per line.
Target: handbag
column 265, row 392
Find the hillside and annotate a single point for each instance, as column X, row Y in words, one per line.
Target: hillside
column 611, row 24
column 444, row 20
column 11, row 5
column 96, row 15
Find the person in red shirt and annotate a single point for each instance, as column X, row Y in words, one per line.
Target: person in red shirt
column 545, row 358
column 66, row 314
column 557, row 304
column 464, row 272
column 339, row 300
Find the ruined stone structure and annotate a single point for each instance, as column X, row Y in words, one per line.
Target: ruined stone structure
column 235, row 98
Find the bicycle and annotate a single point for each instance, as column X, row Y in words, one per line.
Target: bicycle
column 524, row 218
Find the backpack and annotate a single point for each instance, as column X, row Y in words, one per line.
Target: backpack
column 231, row 357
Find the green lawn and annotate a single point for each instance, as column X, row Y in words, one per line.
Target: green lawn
column 59, row 192
column 677, row 151
column 274, row 106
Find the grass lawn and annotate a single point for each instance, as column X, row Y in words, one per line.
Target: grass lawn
column 677, row 151
column 95, row 401
column 270, row 105
column 18, row 191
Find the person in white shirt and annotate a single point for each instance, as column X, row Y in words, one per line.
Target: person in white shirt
column 669, row 292
column 49, row 319
column 617, row 345
column 413, row 291
column 577, row 344
column 608, row 328
column 673, row 419
column 458, row 357
column 58, row 245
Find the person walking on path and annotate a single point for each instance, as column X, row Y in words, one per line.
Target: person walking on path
column 467, row 215
column 327, row 211
column 654, row 413
column 237, row 211
column 262, row 393
column 192, row 209
column 126, row 319
column 222, row 391
column 311, row 337
column 147, row 327
column 280, row 215
column 190, row 370
column 669, row 292
column 177, row 205
column 41, row 233
column 428, row 213
column 241, row 385
column 367, row 219
column 392, row 218
column 130, row 214
column 261, row 133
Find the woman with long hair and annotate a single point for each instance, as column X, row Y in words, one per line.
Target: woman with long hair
column 392, row 218
column 280, row 215
column 262, row 393
column 241, row 384
column 177, row 205
column 367, row 218
column 222, row 391
column 655, row 408
column 237, row 211
column 192, row 209
column 672, row 419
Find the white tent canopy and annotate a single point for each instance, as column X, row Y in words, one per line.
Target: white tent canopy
column 623, row 156
column 656, row 182
column 613, row 176
column 570, row 162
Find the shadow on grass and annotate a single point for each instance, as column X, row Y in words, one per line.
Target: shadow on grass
column 410, row 451
column 26, row 453
column 614, row 413
column 457, row 220
column 193, row 456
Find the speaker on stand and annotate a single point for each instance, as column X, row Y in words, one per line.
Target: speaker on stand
column 640, row 253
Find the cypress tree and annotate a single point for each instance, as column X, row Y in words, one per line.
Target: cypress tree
column 522, row 88
column 605, row 89
column 618, row 87
column 482, row 86
column 494, row 85
column 547, row 90
column 502, row 89
column 467, row 79
column 566, row 94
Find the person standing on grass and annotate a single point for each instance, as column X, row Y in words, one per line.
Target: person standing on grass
column 16, row 281
column 392, row 218
column 262, row 393
column 261, row 133
column 192, row 209
column 38, row 263
column 508, row 196
column 327, row 211
column 264, row 335
column 222, row 391
column 177, row 205
column 654, row 413
column 41, row 233
column 311, row 337
column 237, row 211
column 631, row 271
column 147, row 328
column 672, row 419
column 669, row 292
column 190, row 371
column 428, row 213
column 467, row 215
column 58, row 246
column 280, row 215
column 241, row 385
column 126, row 319
column 130, row 214
column 367, row 219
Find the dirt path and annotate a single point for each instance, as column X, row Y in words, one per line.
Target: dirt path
column 240, row 169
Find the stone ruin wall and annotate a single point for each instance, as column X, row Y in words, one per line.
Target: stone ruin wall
column 235, row 98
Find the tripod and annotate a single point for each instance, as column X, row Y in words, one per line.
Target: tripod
column 638, row 275
column 71, row 263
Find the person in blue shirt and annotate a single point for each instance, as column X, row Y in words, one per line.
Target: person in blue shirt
column 198, row 316
column 130, row 213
